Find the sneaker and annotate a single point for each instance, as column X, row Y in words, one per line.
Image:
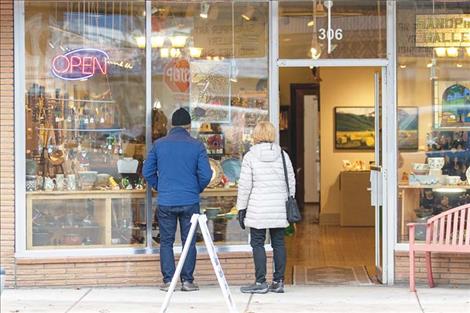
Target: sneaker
column 277, row 287
column 255, row 288
column 165, row 286
column 189, row 286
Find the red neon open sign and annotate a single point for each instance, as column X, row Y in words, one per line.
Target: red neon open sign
column 80, row 64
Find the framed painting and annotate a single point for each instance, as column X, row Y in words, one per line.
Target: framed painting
column 354, row 128
column 408, row 121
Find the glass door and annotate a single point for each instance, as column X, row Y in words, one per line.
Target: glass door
column 377, row 176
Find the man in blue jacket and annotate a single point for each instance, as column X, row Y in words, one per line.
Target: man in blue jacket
column 177, row 167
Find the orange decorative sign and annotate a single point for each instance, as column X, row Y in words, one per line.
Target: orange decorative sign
column 176, row 75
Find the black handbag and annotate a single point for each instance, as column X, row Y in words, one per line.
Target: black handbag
column 292, row 209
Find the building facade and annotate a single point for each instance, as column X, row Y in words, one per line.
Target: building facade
column 87, row 86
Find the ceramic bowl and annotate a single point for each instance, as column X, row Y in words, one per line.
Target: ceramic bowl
column 436, row 163
column 211, row 213
column 102, row 179
column 420, row 168
column 88, row 177
column 453, row 180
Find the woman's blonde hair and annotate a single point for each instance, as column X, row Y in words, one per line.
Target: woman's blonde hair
column 264, row 132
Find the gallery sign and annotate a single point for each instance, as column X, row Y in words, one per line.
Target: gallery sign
column 443, row 30
column 80, row 64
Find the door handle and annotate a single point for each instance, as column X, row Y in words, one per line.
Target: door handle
column 369, row 189
column 376, row 168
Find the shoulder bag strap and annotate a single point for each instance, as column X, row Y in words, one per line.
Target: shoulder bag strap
column 285, row 172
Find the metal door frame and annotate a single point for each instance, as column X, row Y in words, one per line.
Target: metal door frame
column 389, row 122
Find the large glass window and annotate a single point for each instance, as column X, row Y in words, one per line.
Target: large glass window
column 212, row 59
column 322, row 29
column 85, row 106
column 85, row 124
column 433, row 46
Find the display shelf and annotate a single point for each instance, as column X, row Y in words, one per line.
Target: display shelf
column 410, row 200
column 102, row 206
column 403, row 186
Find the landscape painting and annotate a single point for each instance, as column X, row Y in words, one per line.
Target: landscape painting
column 408, row 128
column 354, row 128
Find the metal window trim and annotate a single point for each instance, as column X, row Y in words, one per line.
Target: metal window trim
column 273, row 76
column 391, row 180
column 20, row 127
column 333, row 63
column 148, row 116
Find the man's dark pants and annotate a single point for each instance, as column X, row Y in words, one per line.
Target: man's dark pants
column 168, row 216
column 257, row 240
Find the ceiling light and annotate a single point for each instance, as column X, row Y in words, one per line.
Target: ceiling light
column 140, row 40
column 429, row 64
column 158, row 41
column 175, row 52
column 440, row 52
column 178, row 41
column 195, row 52
column 310, row 23
column 459, row 65
column 205, row 7
column 468, row 51
column 315, row 49
column 248, row 14
column 402, row 65
column 164, row 53
column 452, row 52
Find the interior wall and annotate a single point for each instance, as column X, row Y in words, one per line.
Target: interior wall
column 339, row 87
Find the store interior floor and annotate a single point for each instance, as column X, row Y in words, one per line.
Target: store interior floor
column 316, row 245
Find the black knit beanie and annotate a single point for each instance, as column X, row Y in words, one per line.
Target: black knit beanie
column 181, row 117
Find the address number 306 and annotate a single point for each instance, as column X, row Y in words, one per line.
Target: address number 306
column 332, row 34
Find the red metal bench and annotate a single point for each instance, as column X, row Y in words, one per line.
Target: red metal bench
column 446, row 232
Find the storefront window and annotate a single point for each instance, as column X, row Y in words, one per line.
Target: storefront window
column 355, row 29
column 212, row 59
column 85, row 124
column 433, row 46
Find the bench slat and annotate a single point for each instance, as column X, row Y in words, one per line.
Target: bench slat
column 441, row 248
column 434, row 228
column 461, row 227
column 467, row 235
column 455, row 227
column 448, row 227
column 441, row 229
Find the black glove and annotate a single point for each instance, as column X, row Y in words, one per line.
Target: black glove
column 241, row 218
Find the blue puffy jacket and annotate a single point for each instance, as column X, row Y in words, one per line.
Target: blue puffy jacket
column 177, row 167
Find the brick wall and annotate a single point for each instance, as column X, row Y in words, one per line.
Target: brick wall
column 138, row 270
column 7, row 188
column 448, row 269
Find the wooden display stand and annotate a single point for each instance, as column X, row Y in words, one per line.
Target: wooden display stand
column 355, row 205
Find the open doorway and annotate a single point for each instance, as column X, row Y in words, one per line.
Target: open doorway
column 327, row 123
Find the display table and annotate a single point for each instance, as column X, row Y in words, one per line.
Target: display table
column 355, row 205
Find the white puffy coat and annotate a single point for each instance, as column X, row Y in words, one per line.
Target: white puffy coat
column 262, row 188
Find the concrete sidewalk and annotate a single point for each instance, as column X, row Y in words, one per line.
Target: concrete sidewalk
column 297, row 299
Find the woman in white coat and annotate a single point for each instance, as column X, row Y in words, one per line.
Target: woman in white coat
column 262, row 196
